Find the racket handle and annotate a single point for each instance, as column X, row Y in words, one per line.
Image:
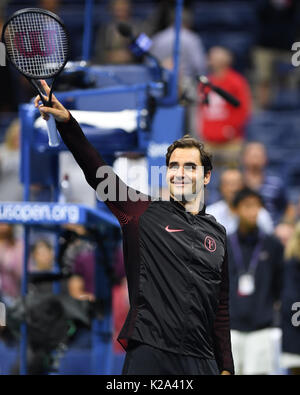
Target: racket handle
column 52, row 132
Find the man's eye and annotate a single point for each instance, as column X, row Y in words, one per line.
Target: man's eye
column 190, row 167
column 173, row 167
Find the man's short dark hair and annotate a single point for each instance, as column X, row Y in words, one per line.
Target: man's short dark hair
column 244, row 194
column 190, row 142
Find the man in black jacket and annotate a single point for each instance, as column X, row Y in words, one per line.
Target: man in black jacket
column 255, row 272
column 175, row 259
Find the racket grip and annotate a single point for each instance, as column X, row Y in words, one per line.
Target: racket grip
column 52, row 132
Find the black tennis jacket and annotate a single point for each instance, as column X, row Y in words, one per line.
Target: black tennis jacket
column 176, row 267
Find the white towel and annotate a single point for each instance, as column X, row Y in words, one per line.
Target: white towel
column 125, row 120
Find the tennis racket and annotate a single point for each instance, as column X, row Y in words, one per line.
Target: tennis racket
column 37, row 44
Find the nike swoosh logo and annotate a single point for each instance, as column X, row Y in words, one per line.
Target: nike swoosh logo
column 173, row 230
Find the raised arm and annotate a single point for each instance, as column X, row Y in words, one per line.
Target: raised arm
column 122, row 200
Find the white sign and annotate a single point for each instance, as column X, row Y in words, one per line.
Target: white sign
column 296, row 316
column 22, row 212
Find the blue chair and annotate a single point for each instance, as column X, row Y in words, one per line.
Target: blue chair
column 8, row 358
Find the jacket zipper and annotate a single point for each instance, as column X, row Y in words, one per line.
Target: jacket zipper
column 188, row 304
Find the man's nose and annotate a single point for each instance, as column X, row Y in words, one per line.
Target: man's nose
column 179, row 171
column 253, row 212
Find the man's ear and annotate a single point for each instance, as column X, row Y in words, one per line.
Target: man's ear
column 207, row 178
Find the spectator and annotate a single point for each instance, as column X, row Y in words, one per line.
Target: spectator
column 270, row 187
column 81, row 284
column 72, row 245
column 231, row 182
column 11, row 188
column 77, row 260
column 192, row 54
column 192, row 61
column 11, row 263
column 111, row 47
column 290, row 296
column 255, row 273
column 42, row 256
column 80, row 257
column 220, row 124
column 41, row 264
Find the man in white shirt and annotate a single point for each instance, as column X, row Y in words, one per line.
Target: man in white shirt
column 192, row 52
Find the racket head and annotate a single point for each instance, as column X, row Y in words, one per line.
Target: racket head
column 37, row 43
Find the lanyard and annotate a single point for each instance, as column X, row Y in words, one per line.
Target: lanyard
column 238, row 256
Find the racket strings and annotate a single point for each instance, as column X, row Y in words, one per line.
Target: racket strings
column 37, row 44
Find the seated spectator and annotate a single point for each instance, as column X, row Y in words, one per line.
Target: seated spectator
column 41, row 264
column 270, row 187
column 231, row 182
column 11, row 264
column 11, row 188
column 81, row 284
column 111, row 47
column 71, row 244
column 77, row 260
column 221, row 125
column 255, row 263
column 290, row 296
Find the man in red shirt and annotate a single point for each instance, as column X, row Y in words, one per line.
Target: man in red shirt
column 220, row 124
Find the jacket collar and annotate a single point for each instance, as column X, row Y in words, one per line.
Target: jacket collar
column 175, row 203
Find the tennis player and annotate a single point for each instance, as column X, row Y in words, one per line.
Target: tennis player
column 175, row 260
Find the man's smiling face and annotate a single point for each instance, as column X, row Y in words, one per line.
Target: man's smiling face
column 185, row 174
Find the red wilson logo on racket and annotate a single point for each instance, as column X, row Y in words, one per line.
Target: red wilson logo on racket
column 36, row 40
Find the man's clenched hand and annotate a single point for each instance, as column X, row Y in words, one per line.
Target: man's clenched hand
column 60, row 113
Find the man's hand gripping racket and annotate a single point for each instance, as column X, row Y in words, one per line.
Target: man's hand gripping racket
column 57, row 111
column 37, row 45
